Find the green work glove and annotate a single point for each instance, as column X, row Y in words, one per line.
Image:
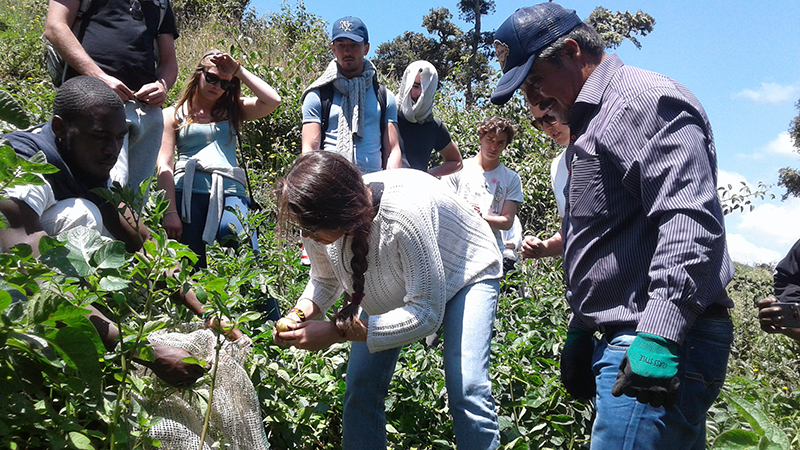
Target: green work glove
column 649, row 371
column 576, row 364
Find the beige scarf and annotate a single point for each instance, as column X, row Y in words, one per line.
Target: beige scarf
column 353, row 92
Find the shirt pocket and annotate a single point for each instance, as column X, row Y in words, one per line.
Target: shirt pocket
column 586, row 194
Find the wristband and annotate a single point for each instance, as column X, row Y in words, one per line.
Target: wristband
column 171, row 212
column 300, row 314
column 207, row 315
column 237, row 68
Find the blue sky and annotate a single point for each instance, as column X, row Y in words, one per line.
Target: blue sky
column 740, row 58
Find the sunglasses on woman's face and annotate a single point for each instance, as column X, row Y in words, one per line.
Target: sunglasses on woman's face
column 214, row 79
column 541, row 121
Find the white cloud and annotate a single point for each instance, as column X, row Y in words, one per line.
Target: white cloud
column 764, row 234
column 725, row 178
column 782, row 145
column 770, row 93
column 745, row 252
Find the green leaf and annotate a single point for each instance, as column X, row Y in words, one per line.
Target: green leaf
column 12, row 112
column 5, row 300
column 112, row 283
column 759, row 421
column 736, row 440
column 249, row 317
column 82, row 353
column 80, row 441
column 111, row 255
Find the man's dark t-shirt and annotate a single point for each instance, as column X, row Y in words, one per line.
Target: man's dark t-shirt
column 121, row 45
column 418, row 140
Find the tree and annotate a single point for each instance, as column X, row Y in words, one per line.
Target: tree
column 787, row 177
column 443, row 49
column 471, row 12
column 456, row 55
column 618, row 26
column 463, row 57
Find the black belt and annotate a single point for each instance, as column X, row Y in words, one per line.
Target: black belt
column 714, row 311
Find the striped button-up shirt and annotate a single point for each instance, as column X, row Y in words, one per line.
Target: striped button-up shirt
column 644, row 236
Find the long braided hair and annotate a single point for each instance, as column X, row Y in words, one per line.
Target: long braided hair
column 324, row 191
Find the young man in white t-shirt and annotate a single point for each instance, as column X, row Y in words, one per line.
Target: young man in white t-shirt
column 493, row 189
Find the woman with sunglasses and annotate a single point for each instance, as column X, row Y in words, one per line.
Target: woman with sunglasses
column 411, row 256
column 532, row 246
column 201, row 129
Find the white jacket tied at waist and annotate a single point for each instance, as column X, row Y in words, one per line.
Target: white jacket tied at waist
column 216, row 199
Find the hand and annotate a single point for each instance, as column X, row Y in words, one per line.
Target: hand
column 532, row 247
column 769, row 315
column 226, row 64
column 576, row 364
column 173, row 225
column 222, row 325
column 309, row 335
column 153, row 94
column 168, row 366
column 649, row 371
column 119, row 87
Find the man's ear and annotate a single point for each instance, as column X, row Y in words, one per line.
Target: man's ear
column 571, row 49
column 59, row 127
column 366, row 48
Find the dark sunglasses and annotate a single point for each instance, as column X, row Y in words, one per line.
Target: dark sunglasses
column 136, row 10
column 213, row 79
column 541, row 121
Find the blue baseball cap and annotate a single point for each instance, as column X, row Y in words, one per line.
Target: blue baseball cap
column 351, row 28
column 520, row 39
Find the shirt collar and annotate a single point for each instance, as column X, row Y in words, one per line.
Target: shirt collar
column 591, row 93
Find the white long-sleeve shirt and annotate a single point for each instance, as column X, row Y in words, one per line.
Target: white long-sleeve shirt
column 425, row 245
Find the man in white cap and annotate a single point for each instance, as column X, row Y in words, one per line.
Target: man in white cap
column 645, row 259
column 346, row 110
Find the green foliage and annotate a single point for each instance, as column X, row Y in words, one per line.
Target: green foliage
column 22, row 73
column 618, row 26
column 457, row 57
column 11, row 111
column 62, row 389
column 743, row 199
column 790, row 179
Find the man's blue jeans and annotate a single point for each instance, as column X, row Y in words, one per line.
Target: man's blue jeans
column 468, row 324
column 622, row 423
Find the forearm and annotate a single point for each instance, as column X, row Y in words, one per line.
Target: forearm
column 499, row 222
column 266, row 98
column 167, row 71
column 312, row 137
column 394, row 158
column 446, row 168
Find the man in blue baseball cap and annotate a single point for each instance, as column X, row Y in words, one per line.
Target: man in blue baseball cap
column 346, row 110
column 645, row 258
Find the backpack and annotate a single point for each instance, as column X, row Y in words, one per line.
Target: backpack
column 326, row 100
column 53, row 61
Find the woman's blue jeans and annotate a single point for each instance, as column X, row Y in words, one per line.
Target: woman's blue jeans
column 193, row 232
column 468, row 325
column 622, row 423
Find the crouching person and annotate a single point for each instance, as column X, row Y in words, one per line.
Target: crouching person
column 82, row 140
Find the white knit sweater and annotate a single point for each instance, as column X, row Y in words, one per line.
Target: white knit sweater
column 425, row 244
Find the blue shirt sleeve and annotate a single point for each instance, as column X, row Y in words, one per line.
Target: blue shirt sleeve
column 312, row 106
column 391, row 107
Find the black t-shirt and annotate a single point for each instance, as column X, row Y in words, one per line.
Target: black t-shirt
column 122, row 46
column 787, row 276
column 419, row 140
